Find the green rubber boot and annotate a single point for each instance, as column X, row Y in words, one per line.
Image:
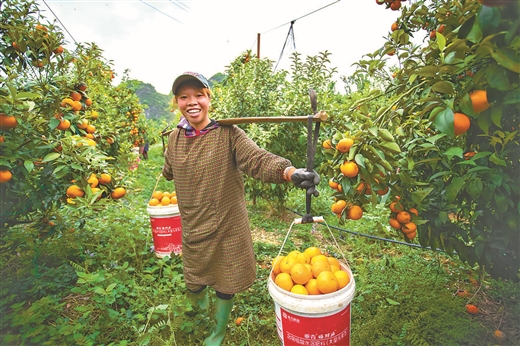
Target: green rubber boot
column 201, row 300
column 222, row 312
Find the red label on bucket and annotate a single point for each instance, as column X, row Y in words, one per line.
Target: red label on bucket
column 314, row 331
column 167, row 235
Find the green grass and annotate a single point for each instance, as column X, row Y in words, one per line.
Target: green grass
column 95, row 281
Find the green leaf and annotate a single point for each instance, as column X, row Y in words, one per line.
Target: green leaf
column 51, row 157
column 441, row 41
column 474, row 187
column 443, row 87
column 497, row 179
column 484, row 122
column 475, row 35
column 466, row 28
column 391, row 146
column 444, row 122
column 454, row 151
column 508, row 58
column 497, row 161
column 392, row 302
column 427, row 71
column 501, row 202
column 110, row 287
column 488, row 18
column 27, row 95
column 497, row 77
column 419, row 195
column 386, row 135
column 453, row 188
column 360, row 160
column 29, row 165
column 496, row 116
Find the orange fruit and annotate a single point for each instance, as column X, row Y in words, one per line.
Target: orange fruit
column 173, row 200
column 239, row 320
column 74, row 191
column 403, row 217
column 312, row 287
column 364, row 187
column 320, row 257
column 2, row 139
column 441, row 28
column 333, row 184
column 327, row 144
column 58, row 50
column 89, row 135
column 286, row 264
column 63, row 125
column 93, row 180
column 94, row 115
column 293, row 253
column 276, row 264
column 118, row 192
column 343, row 278
column 320, row 267
column 110, row 140
column 409, row 227
column 105, row 178
column 83, row 124
column 472, row 309
column 75, row 96
column 312, row 251
column 334, row 268
column 5, row 176
column 479, row 100
column 349, row 169
column 173, row 193
column 414, row 211
column 500, row 335
column 302, row 258
column 90, row 129
column 344, row 145
column 327, row 282
column 333, row 261
column 88, row 102
column 355, row 212
column 461, row 123
column 153, row 202
column 383, row 192
column 284, row 281
column 300, row 274
column 395, row 5
column 395, row 224
column 338, row 206
column 7, row 122
column 157, row 194
column 411, row 235
column 394, row 27
column 395, row 207
column 166, row 194
column 165, row 200
column 299, row 289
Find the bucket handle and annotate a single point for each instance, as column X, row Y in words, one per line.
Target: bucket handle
column 316, row 219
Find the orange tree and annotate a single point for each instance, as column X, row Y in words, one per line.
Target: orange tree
column 252, row 88
column 442, row 142
column 62, row 123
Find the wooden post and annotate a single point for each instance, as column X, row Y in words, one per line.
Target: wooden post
column 258, row 46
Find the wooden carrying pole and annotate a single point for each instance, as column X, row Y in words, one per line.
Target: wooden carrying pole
column 318, row 117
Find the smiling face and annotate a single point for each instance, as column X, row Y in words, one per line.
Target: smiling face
column 194, row 102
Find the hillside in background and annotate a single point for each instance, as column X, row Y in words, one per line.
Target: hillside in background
column 158, row 105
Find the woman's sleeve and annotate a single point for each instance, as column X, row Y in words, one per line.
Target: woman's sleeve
column 255, row 161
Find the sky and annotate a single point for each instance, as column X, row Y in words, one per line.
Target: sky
column 156, row 40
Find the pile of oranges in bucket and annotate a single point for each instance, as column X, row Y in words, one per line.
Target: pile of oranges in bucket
column 160, row 199
column 310, row 272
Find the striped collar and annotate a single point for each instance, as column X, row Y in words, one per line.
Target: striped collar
column 189, row 131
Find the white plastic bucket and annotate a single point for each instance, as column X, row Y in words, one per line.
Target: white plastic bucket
column 166, row 229
column 314, row 320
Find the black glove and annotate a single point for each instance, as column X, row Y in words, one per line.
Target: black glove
column 306, row 180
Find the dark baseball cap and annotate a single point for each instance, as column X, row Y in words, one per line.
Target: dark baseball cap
column 186, row 76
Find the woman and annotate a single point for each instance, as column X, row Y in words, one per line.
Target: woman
column 206, row 162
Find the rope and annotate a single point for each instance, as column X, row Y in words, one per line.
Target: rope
column 290, row 34
column 332, row 235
